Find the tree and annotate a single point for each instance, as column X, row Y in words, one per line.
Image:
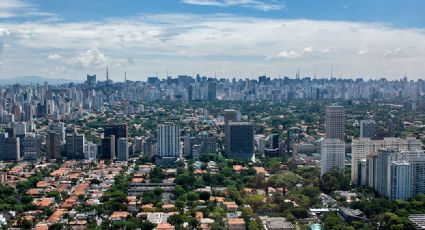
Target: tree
column 332, row 221
column 176, row 219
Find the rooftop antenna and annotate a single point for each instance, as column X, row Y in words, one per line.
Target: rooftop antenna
column 107, row 73
column 314, row 75
column 332, row 74
column 298, row 73
column 215, row 75
column 125, row 76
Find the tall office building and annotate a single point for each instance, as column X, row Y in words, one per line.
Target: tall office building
column 240, row 140
column 108, row 148
column 360, row 149
column 122, row 149
column 335, row 122
column 31, row 147
column 367, row 129
column 212, row 91
column 274, row 141
column 53, row 147
column 74, row 146
column 231, row 115
column 117, row 130
column 332, row 156
column 9, row 148
column 401, row 180
column 168, row 136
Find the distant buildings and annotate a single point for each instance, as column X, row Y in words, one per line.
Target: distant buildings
column 335, row 122
column 205, row 144
column 240, row 140
column 332, row 156
column 368, row 129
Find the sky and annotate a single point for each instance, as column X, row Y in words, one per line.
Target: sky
column 225, row 38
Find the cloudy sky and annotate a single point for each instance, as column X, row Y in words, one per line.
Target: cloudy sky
column 229, row 38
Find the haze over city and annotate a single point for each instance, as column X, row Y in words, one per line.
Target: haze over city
column 224, row 38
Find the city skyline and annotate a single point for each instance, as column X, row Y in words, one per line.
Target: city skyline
column 245, row 39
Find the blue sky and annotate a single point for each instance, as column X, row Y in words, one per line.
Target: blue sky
column 233, row 38
column 407, row 13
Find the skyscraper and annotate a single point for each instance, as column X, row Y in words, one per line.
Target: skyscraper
column 122, row 149
column 212, row 91
column 383, row 171
column 401, row 180
column 332, row 156
column 108, row 148
column 360, row 149
column 335, row 122
column 52, row 145
column 274, row 141
column 9, row 148
column 74, row 146
column 367, row 129
column 31, row 147
column 168, row 136
column 117, row 130
column 240, row 140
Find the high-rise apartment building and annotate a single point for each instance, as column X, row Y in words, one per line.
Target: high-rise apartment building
column 335, row 122
column 332, row 155
column 122, row 149
column 401, row 180
column 168, row 136
column 360, row 149
column 383, row 171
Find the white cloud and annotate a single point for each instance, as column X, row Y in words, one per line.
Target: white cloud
column 308, row 50
column 392, row 52
column 255, row 4
column 232, row 45
column 54, row 57
column 4, row 32
column 90, row 59
column 289, row 54
column 362, row 52
column 22, row 9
